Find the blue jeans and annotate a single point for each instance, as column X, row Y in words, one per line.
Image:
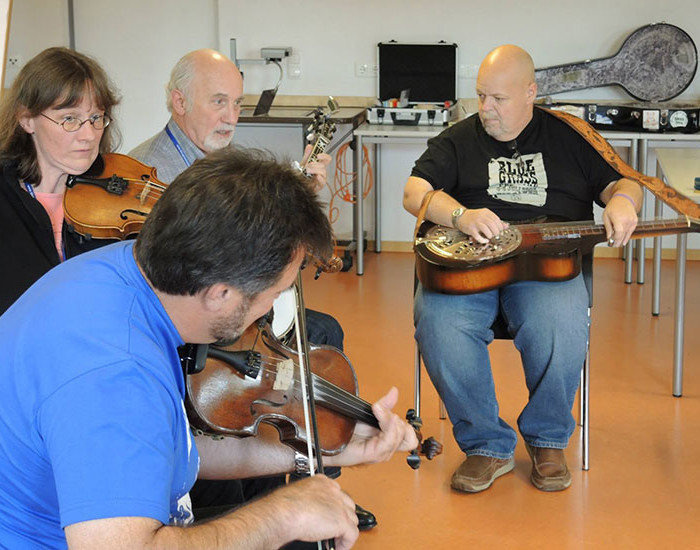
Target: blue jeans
column 322, row 328
column 549, row 322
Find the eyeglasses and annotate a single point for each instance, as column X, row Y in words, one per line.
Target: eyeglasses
column 72, row 124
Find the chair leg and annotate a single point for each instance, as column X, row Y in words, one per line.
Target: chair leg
column 580, row 396
column 585, row 400
column 416, row 381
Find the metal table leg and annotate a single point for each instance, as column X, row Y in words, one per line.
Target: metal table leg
column 377, row 199
column 628, row 254
column 640, row 243
column 357, row 186
column 656, row 274
column 682, row 240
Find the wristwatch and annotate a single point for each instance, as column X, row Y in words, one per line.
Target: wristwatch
column 456, row 214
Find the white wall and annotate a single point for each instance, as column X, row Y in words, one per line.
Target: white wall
column 138, row 41
column 34, row 26
column 332, row 34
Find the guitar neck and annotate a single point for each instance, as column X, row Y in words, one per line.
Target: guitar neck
column 596, row 233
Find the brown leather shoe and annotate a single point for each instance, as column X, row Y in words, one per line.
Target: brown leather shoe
column 478, row 472
column 549, row 470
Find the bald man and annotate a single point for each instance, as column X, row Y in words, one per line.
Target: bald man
column 204, row 97
column 512, row 163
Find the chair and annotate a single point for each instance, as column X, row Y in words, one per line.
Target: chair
column 500, row 331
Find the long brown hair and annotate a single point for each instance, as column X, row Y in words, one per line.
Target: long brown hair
column 55, row 78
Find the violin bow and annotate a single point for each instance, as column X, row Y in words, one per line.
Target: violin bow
column 307, row 392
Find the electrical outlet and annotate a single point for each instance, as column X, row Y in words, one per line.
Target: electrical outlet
column 13, row 61
column 366, row 70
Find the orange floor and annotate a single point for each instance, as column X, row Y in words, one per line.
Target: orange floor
column 643, row 488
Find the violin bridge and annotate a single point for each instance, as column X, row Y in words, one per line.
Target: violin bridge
column 284, row 379
column 143, row 196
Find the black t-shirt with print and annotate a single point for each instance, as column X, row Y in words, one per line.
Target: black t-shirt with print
column 548, row 170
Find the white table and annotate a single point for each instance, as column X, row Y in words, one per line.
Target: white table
column 678, row 167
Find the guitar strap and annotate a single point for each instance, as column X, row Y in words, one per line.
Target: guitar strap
column 679, row 202
column 421, row 213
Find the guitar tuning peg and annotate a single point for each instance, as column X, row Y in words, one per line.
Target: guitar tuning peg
column 332, row 104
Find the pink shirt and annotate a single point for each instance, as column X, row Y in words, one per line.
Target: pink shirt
column 53, row 204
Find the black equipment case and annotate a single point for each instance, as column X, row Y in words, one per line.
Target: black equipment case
column 427, row 71
column 636, row 116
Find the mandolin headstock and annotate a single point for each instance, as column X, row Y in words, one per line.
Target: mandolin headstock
column 319, row 132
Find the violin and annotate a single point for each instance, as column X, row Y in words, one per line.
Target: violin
column 232, row 390
column 113, row 199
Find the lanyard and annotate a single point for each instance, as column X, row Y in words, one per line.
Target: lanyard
column 30, row 190
column 177, row 146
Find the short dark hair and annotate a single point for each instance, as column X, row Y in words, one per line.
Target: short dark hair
column 59, row 78
column 236, row 217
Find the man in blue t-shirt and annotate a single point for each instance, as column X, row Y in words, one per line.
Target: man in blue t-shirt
column 94, row 438
column 512, row 162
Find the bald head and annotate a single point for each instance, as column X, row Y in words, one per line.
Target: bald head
column 200, row 63
column 512, row 61
column 204, row 96
column 506, row 90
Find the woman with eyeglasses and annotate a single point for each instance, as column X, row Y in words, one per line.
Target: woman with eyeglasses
column 54, row 121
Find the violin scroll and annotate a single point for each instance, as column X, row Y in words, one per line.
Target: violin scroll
column 429, row 448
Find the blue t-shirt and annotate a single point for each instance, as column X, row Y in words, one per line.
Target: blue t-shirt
column 92, row 420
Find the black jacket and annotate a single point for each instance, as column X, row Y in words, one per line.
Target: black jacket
column 27, row 248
